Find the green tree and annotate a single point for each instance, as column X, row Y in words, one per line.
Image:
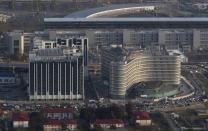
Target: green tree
column 98, row 128
column 117, row 111
column 63, row 127
column 113, row 127
column 36, row 121
column 129, row 109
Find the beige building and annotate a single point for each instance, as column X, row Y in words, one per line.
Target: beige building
column 184, row 40
column 57, row 125
column 140, row 37
column 200, row 39
column 177, row 39
column 143, row 119
column 19, row 42
column 124, row 67
column 20, row 120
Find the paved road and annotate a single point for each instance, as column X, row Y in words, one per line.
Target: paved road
column 192, row 106
column 170, row 122
column 18, row 65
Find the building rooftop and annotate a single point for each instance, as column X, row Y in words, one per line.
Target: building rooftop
column 126, row 23
column 7, row 74
column 60, row 122
column 53, row 54
column 20, row 116
column 108, row 121
column 122, row 54
column 59, row 110
column 142, row 115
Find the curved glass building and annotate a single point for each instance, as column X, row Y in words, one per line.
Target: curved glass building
column 124, row 67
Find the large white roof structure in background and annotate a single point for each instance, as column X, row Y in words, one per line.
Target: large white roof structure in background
column 108, row 11
column 105, row 17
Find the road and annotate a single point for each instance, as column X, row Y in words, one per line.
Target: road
column 15, row 65
column 192, row 106
column 170, row 122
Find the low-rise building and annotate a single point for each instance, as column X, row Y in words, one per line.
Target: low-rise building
column 4, row 18
column 20, row 120
column 59, row 114
column 19, row 42
column 58, row 119
column 107, row 123
column 7, row 78
column 143, row 119
column 58, row 125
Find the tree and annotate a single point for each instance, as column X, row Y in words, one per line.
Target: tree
column 117, row 111
column 63, row 127
column 113, row 127
column 86, row 113
column 36, row 121
column 129, row 109
column 98, row 128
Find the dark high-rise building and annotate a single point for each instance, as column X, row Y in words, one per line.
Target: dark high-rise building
column 58, row 73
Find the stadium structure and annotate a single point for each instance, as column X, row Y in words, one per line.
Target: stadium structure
column 104, row 17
